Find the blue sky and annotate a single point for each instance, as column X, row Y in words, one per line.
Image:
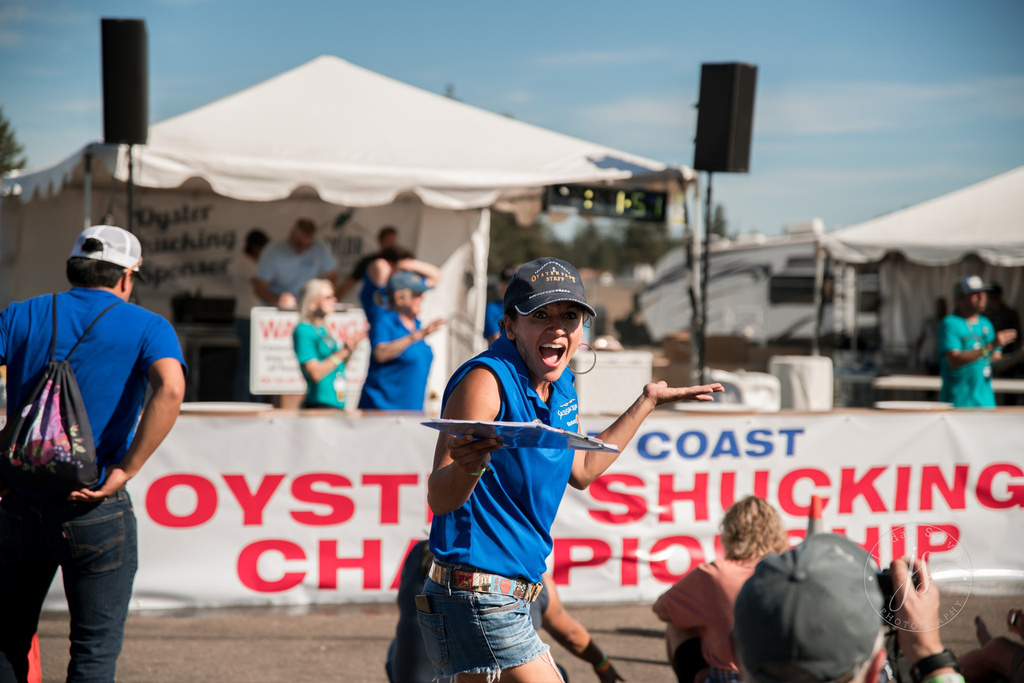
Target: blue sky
column 861, row 108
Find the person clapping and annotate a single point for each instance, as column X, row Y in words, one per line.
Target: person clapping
column 400, row 361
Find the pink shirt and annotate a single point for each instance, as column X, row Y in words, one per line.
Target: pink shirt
column 704, row 599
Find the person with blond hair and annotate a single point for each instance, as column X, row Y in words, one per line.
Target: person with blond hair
column 700, row 605
column 321, row 355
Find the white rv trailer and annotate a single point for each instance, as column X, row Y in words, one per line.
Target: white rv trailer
column 760, row 288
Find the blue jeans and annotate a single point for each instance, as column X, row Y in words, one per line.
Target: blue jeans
column 470, row 632
column 96, row 547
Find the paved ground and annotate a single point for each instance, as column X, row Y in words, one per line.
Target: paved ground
column 349, row 643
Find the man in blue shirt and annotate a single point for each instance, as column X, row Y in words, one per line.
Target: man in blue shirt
column 91, row 533
column 495, row 310
column 968, row 346
column 286, row 266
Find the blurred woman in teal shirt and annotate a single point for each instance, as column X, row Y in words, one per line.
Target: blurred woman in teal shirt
column 321, row 356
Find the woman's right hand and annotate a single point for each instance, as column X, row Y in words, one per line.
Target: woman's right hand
column 470, row 454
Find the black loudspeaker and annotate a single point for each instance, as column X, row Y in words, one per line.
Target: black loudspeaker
column 125, row 81
column 725, row 117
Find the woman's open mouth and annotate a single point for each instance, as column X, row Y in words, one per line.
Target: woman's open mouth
column 551, row 354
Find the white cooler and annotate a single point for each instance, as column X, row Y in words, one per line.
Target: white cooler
column 806, row 381
column 615, row 382
column 757, row 391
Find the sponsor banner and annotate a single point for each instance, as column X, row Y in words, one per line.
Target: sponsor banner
column 275, row 369
column 303, row 509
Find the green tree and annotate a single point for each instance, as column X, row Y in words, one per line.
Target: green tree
column 9, row 147
column 593, row 247
column 643, row 242
column 513, row 244
column 719, row 223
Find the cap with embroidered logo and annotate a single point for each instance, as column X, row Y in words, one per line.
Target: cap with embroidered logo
column 544, row 281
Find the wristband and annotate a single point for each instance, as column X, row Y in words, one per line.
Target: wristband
column 926, row 665
column 945, row 678
column 603, row 665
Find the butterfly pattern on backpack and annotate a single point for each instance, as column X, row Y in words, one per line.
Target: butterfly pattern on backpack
column 47, row 440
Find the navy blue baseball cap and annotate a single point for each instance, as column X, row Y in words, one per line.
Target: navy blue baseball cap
column 545, row 281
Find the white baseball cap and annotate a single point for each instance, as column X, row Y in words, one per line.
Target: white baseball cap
column 120, row 247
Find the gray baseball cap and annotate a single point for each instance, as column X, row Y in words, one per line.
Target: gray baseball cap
column 809, row 614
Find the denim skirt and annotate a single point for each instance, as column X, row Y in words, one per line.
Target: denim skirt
column 476, row 633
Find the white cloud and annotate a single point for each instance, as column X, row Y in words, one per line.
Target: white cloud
column 663, row 126
column 21, row 20
column 645, row 111
column 519, row 96
column 49, row 147
column 10, row 39
column 80, row 106
column 836, row 108
column 659, row 127
column 602, row 58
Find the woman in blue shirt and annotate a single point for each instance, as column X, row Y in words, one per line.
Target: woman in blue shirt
column 400, row 361
column 492, row 516
column 321, row 356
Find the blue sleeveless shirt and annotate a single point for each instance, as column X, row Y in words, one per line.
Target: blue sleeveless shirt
column 505, row 526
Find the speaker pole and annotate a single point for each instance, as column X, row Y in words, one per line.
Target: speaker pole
column 704, row 256
column 131, row 185
column 693, row 286
column 819, row 296
column 87, row 189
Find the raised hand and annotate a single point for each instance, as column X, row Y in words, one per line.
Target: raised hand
column 661, row 393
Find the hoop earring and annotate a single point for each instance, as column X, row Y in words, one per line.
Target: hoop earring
column 592, row 365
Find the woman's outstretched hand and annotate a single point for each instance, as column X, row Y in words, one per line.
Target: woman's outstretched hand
column 661, row 392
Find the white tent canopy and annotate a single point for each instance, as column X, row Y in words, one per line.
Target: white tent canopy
column 346, row 147
column 358, row 139
column 986, row 219
column 924, row 248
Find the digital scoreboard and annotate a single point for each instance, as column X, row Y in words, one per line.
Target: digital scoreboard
column 589, row 200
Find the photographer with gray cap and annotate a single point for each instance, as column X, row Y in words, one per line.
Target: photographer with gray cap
column 814, row 615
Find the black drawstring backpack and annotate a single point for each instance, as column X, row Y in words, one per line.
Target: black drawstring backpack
column 47, row 446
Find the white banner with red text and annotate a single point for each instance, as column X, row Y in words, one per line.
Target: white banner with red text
column 302, row 509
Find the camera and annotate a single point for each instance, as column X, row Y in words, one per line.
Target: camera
column 884, row 579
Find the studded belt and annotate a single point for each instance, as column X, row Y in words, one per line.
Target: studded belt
column 482, row 582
